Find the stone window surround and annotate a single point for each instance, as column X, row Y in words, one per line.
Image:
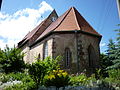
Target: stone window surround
column 45, row 50
column 67, row 57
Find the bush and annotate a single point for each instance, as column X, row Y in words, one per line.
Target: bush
column 114, row 77
column 26, row 82
column 40, row 68
column 79, row 80
column 58, row 78
column 11, row 60
column 4, row 78
column 114, row 73
column 52, row 64
column 37, row 72
column 22, row 86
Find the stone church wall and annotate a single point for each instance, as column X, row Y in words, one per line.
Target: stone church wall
column 84, row 41
column 26, row 51
column 57, row 43
column 63, row 41
column 38, row 49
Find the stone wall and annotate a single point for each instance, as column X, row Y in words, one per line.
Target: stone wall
column 26, row 51
column 79, row 50
column 84, row 41
column 38, row 49
column 75, row 88
column 61, row 42
column 78, row 45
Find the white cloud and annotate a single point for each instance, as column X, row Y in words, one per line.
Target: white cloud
column 2, row 44
column 103, row 47
column 102, row 44
column 14, row 27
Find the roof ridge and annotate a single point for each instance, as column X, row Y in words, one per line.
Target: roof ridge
column 63, row 18
column 84, row 20
column 42, row 23
column 76, row 20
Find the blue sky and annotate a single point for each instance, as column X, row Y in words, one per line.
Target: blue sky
column 18, row 17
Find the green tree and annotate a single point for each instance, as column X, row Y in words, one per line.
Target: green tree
column 114, row 52
column 110, row 53
column 11, row 60
column 104, row 63
column 116, row 62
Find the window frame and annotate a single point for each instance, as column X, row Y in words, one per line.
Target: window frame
column 45, row 50
column 67, row 58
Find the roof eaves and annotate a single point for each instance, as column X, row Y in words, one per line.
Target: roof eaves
column 67, row 31
column 22, row 44
column 41, row 38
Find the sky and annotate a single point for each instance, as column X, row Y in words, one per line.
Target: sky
column 18, row 17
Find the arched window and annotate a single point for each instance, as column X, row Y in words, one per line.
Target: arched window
column 91, row 56
column 38, row 58
column 45, row 50
column 67, row 57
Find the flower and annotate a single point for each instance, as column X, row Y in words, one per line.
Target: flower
column 64, row 74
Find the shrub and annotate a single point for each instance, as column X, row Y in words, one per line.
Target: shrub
column 52, row 64
column 11, row 60
column 40, row 68
column 79, row 80
column 26, row 82
column 4, row 78
column 58, row 78
column 114, row 77
column 22, row 86
column 114, row 73
column 37, row 72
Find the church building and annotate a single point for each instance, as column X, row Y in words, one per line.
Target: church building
column 69, row 36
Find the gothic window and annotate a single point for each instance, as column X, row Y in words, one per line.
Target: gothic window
column 38, row 58
column 67, row 57
column 91, row 56
column 45, row 50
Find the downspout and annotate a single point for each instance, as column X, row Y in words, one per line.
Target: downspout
column 76, row 49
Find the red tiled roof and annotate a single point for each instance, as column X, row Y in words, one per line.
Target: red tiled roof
column 38, row 30
column 30, row 34
column 70, row 20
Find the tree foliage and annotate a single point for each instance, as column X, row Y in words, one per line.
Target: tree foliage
column 11, row 60
column 114, row 52
column 111, row 59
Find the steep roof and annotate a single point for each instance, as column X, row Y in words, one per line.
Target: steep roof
column 38, row 30
column 69, row 21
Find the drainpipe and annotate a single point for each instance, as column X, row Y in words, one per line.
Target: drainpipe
column 76, row 49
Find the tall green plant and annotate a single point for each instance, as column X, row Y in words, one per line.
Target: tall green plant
column 40, row 68
column 58, row 78
column 37, row 72
column 51, row 63
column 11, row 60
